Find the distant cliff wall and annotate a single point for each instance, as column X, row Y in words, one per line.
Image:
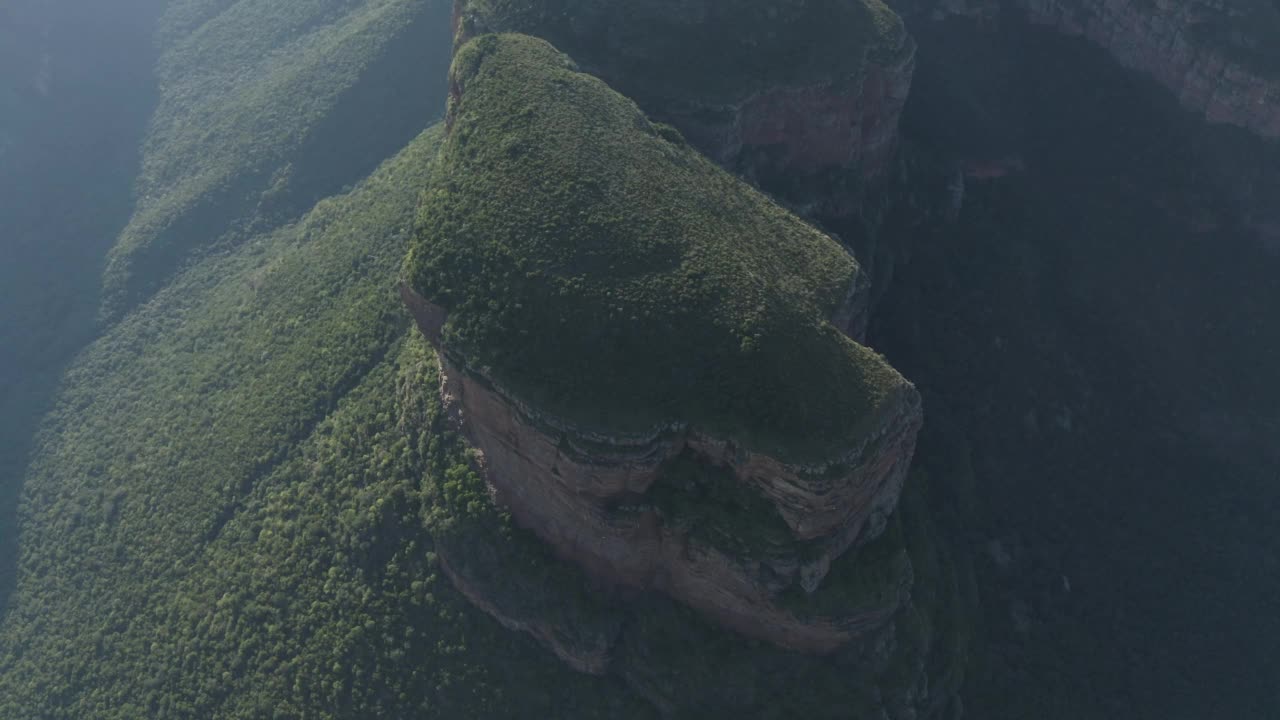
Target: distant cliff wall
column 1168, row 40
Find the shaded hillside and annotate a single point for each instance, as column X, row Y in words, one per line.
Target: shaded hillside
column 253, row 489
column 75, row 94
column 1096, row 334
column 265, row 108
column 609, row 274
column 234, row 505
column 77, row 87
column 801, row 96
column 224, row 519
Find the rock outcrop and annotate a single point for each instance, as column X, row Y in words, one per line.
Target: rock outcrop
column 1171, row 40
column 210, row 164
column 653, row 360
column 588, row 495
column 1220, row 58
column 802, row 131
column 800, row 96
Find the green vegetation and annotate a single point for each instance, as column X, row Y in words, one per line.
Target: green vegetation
column 701, row 671
column 619, row 280
column 690, row 667
column 235, row 506
column 710, row 504
column 228, row 512
column 872, row 576
column 944, row 596
column 265, row 108
column 74, row 101
column 16, row 72
column 722, row 50
column 510, row 566
column 698, row 670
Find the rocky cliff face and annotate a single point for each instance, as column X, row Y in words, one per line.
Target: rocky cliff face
column 799, row 131
column 787, row 134
column 567, row 259
column 791, row 95
column 594, row 498
column 1169, row 40
column 1218, row 57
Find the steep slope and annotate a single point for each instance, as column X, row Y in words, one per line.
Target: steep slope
column 75, row 93
column 223, row 519
column 265, row 108
column 237, row 506
column 249, row 494
column 1094, row 336
column 1219, row 58
column 568, row 229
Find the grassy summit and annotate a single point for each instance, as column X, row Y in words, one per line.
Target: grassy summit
column 606, row 272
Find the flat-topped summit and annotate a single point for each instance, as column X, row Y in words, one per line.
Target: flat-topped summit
column 602, row 270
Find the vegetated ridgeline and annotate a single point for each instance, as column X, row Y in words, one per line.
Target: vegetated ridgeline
column 265, row 108
column 629, row 326
column 803, row 97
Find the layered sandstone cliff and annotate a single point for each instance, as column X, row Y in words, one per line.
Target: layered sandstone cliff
column 799, row 96
column 1171, row 40
column 1220, row 58
column 653, row 360
column 592, row 497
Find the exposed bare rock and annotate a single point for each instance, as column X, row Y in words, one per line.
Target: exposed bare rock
column 1172, row 41
column 1220, row 58
column 591, row 497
